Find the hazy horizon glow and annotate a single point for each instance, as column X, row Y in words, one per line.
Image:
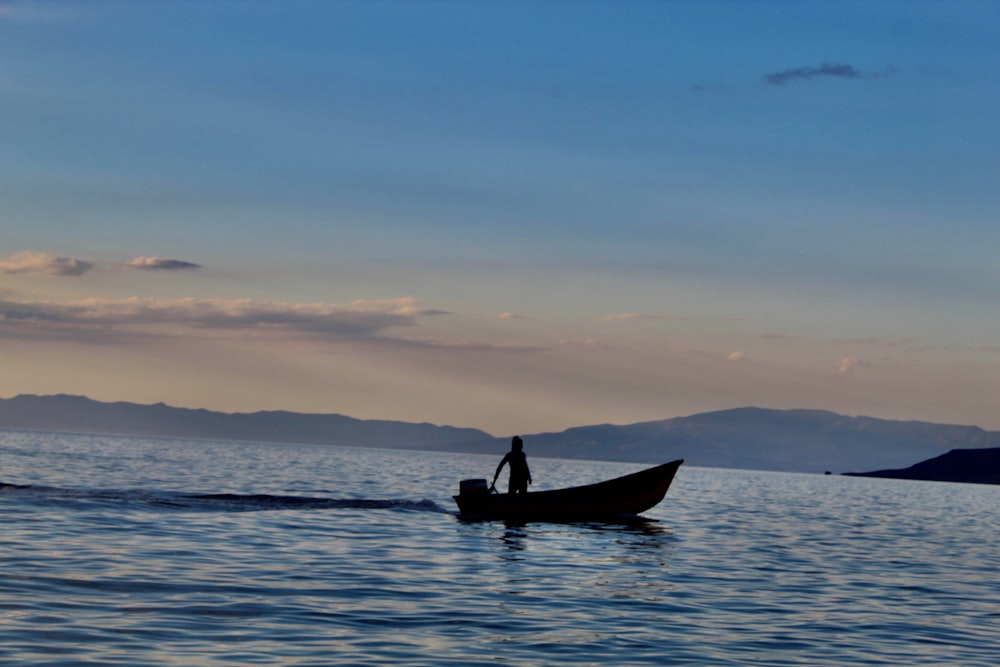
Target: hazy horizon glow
column 513, row 216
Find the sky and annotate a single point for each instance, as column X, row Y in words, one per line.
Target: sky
column 514, row 216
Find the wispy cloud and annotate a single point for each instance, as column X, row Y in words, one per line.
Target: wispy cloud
column 825, row 70
column 150, row 315
column 780, row 337
column 466, row 344
column 161, row 264
column 876, row 340
column 584, row 343
column 619, row 317
column 45, row 263
column 28, row 261
column 846, row 365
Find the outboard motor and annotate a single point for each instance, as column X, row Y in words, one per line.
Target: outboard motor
column 473, row 487
column 473, row 497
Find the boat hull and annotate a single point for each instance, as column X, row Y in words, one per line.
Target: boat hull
column 617, row 498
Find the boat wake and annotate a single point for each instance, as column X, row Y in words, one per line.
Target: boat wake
column 210, row 502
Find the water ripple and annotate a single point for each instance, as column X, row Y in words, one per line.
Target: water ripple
column 320, row 556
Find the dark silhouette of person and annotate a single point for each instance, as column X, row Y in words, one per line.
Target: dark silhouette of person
column 520, row 476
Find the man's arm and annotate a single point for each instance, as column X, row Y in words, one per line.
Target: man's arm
column 503, row 462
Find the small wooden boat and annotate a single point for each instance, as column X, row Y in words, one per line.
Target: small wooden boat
column 618, row 498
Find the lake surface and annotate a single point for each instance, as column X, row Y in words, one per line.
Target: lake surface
column 141, row 551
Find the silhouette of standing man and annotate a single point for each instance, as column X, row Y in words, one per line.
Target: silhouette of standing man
column 520, row 476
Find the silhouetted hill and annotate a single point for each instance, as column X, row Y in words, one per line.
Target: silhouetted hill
column 750, row 438
column 973, row 466
column 760, row 439
column 83, row 415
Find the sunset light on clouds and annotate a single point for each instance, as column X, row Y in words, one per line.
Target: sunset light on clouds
column 514, row 216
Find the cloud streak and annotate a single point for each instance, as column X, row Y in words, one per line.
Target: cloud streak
column 161, row 264
column 362, row 318
column 625, row 317
column 44, row 263
column 28, row 261
column 825, row 70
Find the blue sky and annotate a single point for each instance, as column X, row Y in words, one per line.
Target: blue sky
column 515, row 216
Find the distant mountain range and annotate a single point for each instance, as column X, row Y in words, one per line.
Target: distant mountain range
column 78, row 414
column 749, row 438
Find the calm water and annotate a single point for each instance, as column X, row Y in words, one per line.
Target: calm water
column 137, row 551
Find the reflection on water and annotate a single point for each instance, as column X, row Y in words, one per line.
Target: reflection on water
column 513, row 541
column 124, row 551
